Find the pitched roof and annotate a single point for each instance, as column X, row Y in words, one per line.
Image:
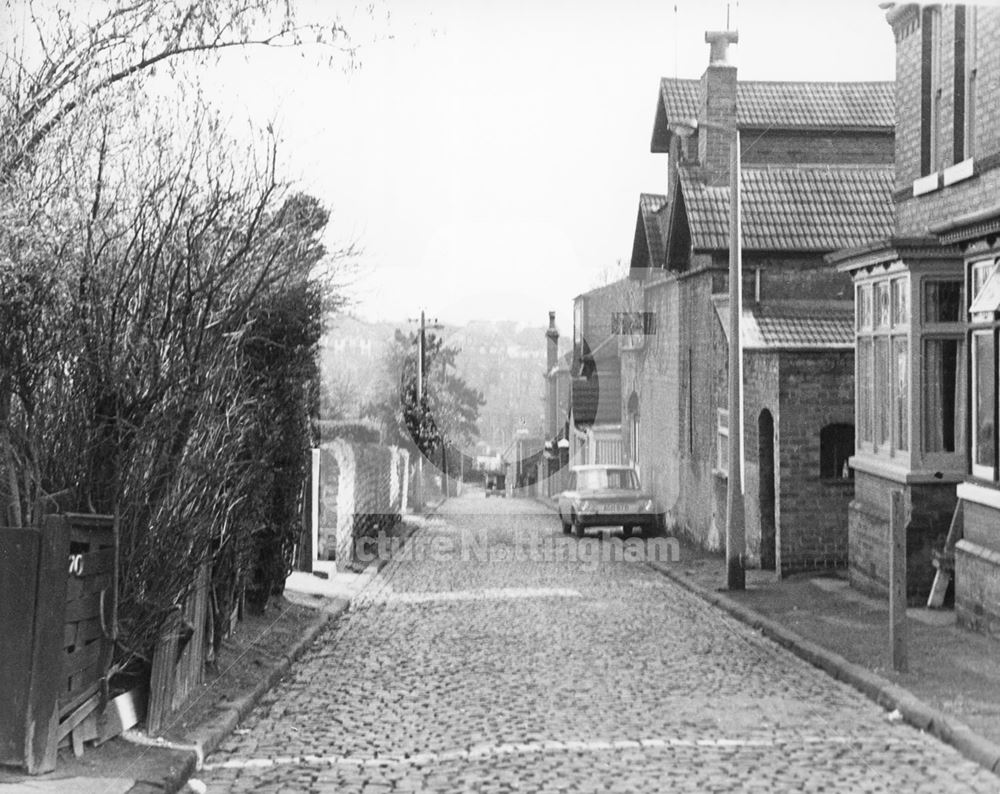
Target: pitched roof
column 792, row 324
column 793, row 208
column 790, row 105
column 647, row 245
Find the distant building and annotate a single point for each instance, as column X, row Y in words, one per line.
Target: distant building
column 816, row 177
column 595, row 376
column 927, row 298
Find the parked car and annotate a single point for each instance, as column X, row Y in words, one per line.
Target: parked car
column 607, row 496
column 496, row 484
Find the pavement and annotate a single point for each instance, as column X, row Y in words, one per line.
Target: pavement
column 498, row 655
column 951, row 687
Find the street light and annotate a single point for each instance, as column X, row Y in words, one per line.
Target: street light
column 735, row 511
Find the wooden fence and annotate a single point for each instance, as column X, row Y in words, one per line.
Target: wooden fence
column 179, row 658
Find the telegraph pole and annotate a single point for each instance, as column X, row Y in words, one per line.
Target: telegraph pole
column 735, row 516
column 420, row 398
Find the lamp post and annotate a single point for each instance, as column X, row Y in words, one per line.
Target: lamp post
column 735, row 511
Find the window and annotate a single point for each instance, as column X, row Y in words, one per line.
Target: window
column 984, row 311
column 984, row 390
column 722, row 441
column 943, row 422
column 882, row 364
column 966, row 23
column 944, row 387
column 942, row 301
column 836, row 445
column 866, row 368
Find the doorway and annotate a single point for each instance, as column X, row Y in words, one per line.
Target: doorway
column 765, row 490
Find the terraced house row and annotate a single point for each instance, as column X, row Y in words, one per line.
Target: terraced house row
column 870, row 314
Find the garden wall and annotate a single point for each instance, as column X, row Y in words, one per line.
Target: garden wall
column 362, row 490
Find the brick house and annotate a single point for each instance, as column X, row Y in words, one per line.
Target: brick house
column 816, row 175
column 928, row 305
column 595, row 384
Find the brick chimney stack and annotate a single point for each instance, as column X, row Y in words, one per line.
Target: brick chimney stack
column 717, row 108
column 552, row 335
column 551, row 381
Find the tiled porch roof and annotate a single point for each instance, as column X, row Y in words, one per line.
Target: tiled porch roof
column 650, row 205
column 791, row 325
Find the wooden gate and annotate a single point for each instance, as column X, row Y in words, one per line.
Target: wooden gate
column 57, row 587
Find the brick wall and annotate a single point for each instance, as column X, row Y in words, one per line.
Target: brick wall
column 928, row 509
column 908, row 58
column 786, row 146
column 815, row 389
column 653, row 373
column 977, row 586
column 914, row 215
column 796, row 276
column 702, row 389
column 760, row 392
column 717, row 111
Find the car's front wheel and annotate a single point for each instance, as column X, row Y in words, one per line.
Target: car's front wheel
column 578, row 530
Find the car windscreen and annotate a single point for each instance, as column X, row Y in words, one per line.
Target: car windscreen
column 601, row 479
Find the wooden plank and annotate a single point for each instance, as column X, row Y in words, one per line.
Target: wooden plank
column 70, row 630
column 944, row 572
column 19, row 550
column 897, row 582
column 84, row 678
column 71, row 699
column 92, row 563
column 84, row 608
column 95, row 520
column 78, row 716
column 81, row 632
column 161, row 684
column 43, row 708
column 76, row 661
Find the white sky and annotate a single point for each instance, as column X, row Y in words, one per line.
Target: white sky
column 488, row 155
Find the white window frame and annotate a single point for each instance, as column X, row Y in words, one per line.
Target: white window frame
column 927, row 330
column 722, row 441
column 979, row 274
column 979, row 470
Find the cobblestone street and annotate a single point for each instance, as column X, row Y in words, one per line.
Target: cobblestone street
column 475, row 662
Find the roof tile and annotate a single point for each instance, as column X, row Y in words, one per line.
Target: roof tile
column 791, row 105
column 793, row 208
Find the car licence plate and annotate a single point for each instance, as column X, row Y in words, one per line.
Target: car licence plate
column 618, row 508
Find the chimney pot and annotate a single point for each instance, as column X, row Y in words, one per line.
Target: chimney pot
column 720, row 41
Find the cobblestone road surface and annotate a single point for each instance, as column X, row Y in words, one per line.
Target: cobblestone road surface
column 476, row 662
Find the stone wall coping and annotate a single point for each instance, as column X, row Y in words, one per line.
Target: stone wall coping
column 980, row 494
column 974, row 549
column 902, row 474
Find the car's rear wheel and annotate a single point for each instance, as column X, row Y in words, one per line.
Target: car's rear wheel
column 566, row 528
